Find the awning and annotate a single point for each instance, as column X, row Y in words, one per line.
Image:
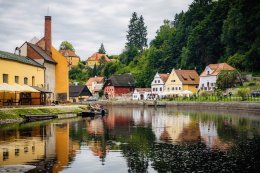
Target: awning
column 4, row 87
column 24, row 88
column 43, row 90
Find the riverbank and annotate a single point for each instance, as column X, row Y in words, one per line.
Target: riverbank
column 11, row 115
column 229, row 106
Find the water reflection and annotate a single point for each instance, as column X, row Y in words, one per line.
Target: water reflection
column 136, row 140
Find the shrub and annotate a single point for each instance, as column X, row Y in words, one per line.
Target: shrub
column 243, row 92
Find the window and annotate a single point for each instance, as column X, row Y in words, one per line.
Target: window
column 212, row 84
column 5, row 78
column 176, row 88
column 173, row 88
column 16, row 79
column 33, row 81
column 160, row 88
column 25, row 80
column 179, row 88
column 158, row 81
column 155, row 81
column 172, row 80
column 208, row 72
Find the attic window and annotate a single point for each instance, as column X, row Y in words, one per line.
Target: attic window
column 185, row 78
column 192, row 78
column 207, row 72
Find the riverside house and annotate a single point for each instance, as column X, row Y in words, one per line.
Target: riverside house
column 96, row 58
column 118, row 85
column 182, row 83
column 208, row 77
column 71, row 56
column 142, row 94
column 18, row 76
column 158, row 84
column 79, row 93
column 56, row 78
column 95, row 84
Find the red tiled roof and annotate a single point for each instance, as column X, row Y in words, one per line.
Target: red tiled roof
column 98, row 79
column 188, row 76
column 164, row 76
column 68, row 53
column 97, row 56
column 216, row 69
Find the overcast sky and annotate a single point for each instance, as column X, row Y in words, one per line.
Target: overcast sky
column 84, row 23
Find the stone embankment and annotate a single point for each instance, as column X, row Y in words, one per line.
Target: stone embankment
column 229, row 106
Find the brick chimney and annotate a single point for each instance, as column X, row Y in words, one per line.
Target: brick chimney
column 47, row 34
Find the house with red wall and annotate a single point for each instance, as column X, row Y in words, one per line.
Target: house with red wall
column 117, row 85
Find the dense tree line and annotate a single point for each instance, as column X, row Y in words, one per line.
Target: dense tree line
column 209, row 31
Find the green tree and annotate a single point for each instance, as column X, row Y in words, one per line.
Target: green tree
column 227, row 79
column 102, row 49
column 65, row 45
column 137, row 32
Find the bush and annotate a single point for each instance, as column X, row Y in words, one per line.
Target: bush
column 243, row 92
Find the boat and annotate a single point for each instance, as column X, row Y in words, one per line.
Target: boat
column 93, row 113
column 38, row 117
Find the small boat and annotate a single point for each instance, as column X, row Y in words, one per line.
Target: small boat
column 92, row 113
column 38, row 117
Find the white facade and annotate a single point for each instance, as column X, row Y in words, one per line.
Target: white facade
column 145, row 95
column 158, row 85
column 208, row 83
column 49, row 73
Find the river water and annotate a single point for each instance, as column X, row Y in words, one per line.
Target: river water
column 135, row 140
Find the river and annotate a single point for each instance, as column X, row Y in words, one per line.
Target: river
column 135, row 140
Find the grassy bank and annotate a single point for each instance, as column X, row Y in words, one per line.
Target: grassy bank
column 14, row 113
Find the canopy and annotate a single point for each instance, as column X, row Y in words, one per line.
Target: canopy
column 4, row 87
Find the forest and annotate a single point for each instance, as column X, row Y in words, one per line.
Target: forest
column 210, row 31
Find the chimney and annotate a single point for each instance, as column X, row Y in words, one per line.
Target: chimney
column 47, row 34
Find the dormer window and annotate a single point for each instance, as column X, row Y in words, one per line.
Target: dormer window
column 207, row 72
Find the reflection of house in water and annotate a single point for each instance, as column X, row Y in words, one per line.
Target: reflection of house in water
column 21, row 151
column 209, row 136
column 20, row 148
column 142, row 116
column 32, row 145
column 190, row 133
column 167, row 127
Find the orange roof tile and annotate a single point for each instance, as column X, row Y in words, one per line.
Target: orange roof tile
column 68, row 53
column 98, row 79
column 97, row 56
column 216, row 69
column 164, row 76
column 188, row 76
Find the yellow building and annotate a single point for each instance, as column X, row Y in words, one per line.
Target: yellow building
column 56, row 65
column 15, row 69
column 72, row 59
column 182, row 82
column 62, row 75
column 96, row 58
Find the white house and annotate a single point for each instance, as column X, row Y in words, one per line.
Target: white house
column 142, row 94
column 208, row 77
column 158, row 84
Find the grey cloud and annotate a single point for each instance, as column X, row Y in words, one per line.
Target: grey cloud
column 84, row 23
